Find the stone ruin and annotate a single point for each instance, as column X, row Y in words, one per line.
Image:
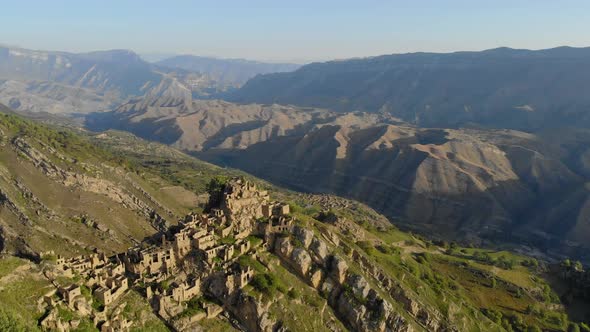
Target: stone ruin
column 200, row 257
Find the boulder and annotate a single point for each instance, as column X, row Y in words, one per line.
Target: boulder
column 304, row 235
column 359, row 286
column 301, row 259
column 338, row 269
column 327, row 286
column 319, row 249
column 316, row 277
column 283, row 247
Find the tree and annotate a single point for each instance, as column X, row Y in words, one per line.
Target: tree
column 215, row 189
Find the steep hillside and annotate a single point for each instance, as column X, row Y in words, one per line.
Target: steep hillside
column 476, row 185
column 61, row 194
column 503, row 187
column 230, row 72
column 502, row 88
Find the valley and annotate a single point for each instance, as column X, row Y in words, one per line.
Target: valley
column 429, row 180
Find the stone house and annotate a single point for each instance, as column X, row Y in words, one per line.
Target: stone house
column 186, row 290
column 70, row 293
column 275, row 209
column 111, row 289
column 151, row 261
column 242, row 246
column 225, row 252
column 204, row 242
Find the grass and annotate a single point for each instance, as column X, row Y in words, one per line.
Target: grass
column 294, row 309
column 248, row 261
column 138, row 310
column 21, row 294
column 9, row 264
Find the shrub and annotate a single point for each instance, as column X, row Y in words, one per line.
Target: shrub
column 268, row 284
column 293, row 294
column 367, row 247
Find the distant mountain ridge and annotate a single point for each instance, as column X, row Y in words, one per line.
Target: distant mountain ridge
column 117, row 71
column 234, row 72
column 62, row 82
column 503, row 87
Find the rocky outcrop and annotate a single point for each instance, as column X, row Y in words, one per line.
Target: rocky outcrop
column 12, row 207
column 350, row 295
column 337, row 268
column 305, row 236
column 301, row 259
column 251, row 313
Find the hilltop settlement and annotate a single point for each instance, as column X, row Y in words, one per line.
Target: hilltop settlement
column 195, row 272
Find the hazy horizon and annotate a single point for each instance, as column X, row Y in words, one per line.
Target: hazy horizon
column 299, row 32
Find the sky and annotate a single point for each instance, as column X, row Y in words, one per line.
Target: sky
column 293, row 31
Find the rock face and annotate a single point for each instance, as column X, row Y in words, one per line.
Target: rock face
column 254, row 316
column 319, row 249
column 338, row 268
column 349, row 294
column 360, row 287
column 303, row 235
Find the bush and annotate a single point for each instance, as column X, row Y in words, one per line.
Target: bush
column 493, row 315
column 367, row 247
column 293, row 294
column 268, row 284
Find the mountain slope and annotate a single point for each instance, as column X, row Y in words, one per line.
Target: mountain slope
column 498, row 186
column 447, row 183
column 230, row 72
column 503, row 88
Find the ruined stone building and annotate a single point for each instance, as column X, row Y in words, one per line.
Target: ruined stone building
column 226, row 282
column 150, row 261
column 199, row 256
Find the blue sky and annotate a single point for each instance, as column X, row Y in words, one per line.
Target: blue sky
column 299, row 31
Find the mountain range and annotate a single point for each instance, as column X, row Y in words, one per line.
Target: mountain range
column 501, row 88
column 61, row 82
column 233, row 72
column 416, row 192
